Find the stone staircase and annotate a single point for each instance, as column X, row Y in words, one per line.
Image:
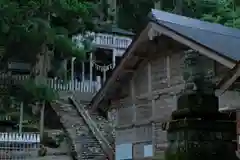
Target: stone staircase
column 99, row 126
column 105, row 127
column 85, row 144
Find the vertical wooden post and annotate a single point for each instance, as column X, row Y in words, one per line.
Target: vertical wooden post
column 168, row 70
column 238, row 129
column 83, row 71
column 104, row 74
column 42, row 121
column 150, row 96
column 158, row 5
column 99, row 84
column 72, row 71
column 133, row 98
column 154, row 138
column 114, row 58
column 117, row 114
column 149, row 71
column 21, row 118
column 91, row 70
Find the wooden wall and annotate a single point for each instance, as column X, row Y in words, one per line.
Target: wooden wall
column 155, row 84
column 153, row 92
column 126, row 112
column 138, row 149
column 159, row 73
column 133, row 135
column 238, row 130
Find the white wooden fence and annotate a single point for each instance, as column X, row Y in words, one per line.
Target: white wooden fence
column 74, row 86
column 56, row 84
column 19, row 145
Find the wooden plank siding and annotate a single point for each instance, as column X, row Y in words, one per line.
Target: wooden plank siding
column 164, row 107
column 176, row 68
column 160, row 139
column 238, row 130
column 134, row 135
column 141, row 80
column 159, row 73
column 220, row 70
column 125, row 112
column 152, row 97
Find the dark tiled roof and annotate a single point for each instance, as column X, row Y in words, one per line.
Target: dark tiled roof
column 121, row 31
column 117, row 30
column 222, row 39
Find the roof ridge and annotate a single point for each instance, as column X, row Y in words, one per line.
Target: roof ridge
column 228, row 31
column 238, row 37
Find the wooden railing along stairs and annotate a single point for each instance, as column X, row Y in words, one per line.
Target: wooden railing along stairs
column 105, row 144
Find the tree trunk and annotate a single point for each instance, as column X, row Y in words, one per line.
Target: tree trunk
column 112, row 11
column 42, row 121
column 64, row 63
column 43, row 65
column 21, row 118
column 158, row 4
column 36, row 108
column 179, row 7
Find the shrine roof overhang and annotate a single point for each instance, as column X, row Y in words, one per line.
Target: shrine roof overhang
column 214, row 41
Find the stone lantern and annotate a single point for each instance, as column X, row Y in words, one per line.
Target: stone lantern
column 197, row 130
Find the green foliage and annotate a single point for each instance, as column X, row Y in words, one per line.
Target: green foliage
column 136, row 13
column 63, row 45
column 39, row 92
column 225, row 12
column 30, row 92
column 27, row 25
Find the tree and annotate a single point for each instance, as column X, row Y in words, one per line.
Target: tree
column 226, row 12
column 38, row 31
column 30, row 92
column 136, row 12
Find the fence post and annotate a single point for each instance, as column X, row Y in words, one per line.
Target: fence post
column 98, row 83
column 16, row 146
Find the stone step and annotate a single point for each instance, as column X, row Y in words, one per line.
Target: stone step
column 105, row 127
column 85, row 144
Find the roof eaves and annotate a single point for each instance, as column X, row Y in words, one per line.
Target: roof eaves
column 230, row 62
column 153, row 19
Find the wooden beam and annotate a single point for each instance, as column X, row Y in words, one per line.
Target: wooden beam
column 201, row 49
column 143, row 105
column 141, row 57
column 178, row 88
column 117, row 116
column 133, row 99
column 162, row 91
column 128, row 70
column 150, row 96
column 141, row 123
column 168, row 70
column 228, row 82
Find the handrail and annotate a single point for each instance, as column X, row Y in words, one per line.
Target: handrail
column 95, row 130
